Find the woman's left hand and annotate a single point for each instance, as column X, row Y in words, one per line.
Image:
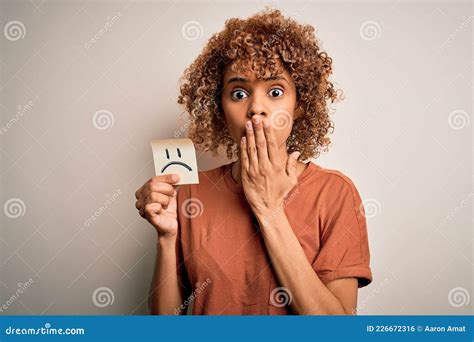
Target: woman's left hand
column 266, row 178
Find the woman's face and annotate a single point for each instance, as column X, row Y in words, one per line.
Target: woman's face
column 243, row 96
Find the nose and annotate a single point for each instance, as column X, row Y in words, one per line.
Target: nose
column 257, row 108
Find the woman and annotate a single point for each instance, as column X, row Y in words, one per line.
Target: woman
column 267, row 233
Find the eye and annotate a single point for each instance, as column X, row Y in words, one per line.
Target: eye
column 238, row 94
column 276, row 92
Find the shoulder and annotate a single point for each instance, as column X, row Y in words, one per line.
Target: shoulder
column 333, row 179
column 335, row 193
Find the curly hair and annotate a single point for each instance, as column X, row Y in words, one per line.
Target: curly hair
column 259, row 41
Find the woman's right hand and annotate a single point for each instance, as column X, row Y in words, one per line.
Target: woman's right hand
column 156, row 202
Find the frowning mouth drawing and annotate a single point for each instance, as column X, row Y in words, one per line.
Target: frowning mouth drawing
column 186, row 166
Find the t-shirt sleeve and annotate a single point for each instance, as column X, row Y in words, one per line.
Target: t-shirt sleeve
column 344, row 248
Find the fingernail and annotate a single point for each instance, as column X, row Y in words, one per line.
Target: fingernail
column 248, row 125
column 265, row 123
column 256, row 119
column 175, row 177
column 243, row 140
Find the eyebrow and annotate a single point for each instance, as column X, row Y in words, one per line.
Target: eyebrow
column 245, row 80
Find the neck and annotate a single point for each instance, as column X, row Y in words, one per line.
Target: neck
column 236, row 171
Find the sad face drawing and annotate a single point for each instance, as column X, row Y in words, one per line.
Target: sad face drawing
column 176, row 156
column 175, row 162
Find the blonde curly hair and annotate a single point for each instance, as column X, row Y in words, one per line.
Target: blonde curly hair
column 258, row 42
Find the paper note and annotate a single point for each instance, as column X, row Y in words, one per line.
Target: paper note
column 176, row 156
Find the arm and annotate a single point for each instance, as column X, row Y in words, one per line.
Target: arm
column 165, row 297
column 266, row 183
column 309, row 295
column 157, row 203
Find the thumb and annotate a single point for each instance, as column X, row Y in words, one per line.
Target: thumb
column 291, row 164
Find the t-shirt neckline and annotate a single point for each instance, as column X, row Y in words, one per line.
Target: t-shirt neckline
column 233, row 186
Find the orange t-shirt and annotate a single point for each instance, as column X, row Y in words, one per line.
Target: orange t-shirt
column 222, row 260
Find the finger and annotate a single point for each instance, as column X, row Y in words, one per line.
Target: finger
column 138, row 192
column 168, row 178
column 152, row 209
column 160, row 187
column 140, row 205
column 251, row 149
column 156, row 197
column 260, row 140
column 272, row 144
column 244, row 158
column 142, row 212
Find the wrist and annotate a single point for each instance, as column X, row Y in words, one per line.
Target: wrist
column 265, row 210
column 166, row 240
column 270, row 216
